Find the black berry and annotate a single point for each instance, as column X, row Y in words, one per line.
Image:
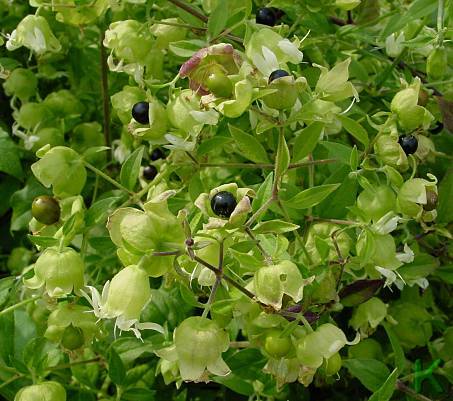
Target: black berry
column 437, row 130
column 223, row 204
column 266, row 16
column 157, row 154
column 45, row 209
column 140, row 112
column 408, row 143
column 278, row 74
column 149, row 172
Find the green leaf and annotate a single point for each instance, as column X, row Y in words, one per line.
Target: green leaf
column 445, row 273
column 445, row 206
column 418, row 9
column 282, row 159
column 306, row 140
column 422, row 266
column 249, row 146
column 371, row 372
column 186, row 48
column 43, row 241
column 99, row 211
column 274, row 226
column 398, row 352
column 338, row 151
column 388, row 388
column 138, row 394
column 264, row 192
column 311, row 196
column 355, row 129
column 218, row 19
column 131, row 168
column 354, row 160
column 117, row 371
column 210, row 144
column 9, row 160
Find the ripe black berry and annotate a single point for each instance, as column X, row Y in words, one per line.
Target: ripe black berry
column 437, row 130
column 408, row 143
column 278, row 74
column 45, row 209
column 157, row 154
column 149, row 172
column 140, row 112
column 266, row 16
column 223, row 204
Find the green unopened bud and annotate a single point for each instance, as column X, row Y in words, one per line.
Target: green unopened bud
column 60, row 272
column 377, row 202
column 368, row 315
column 413, row 196
column 128, row 293
column 272, row 282
column 21, row 83
column 34, row 33
column 320, row 246
column 167, row 34
column 31, row 114
column 405, row 106
column 199, row 344
column 388, row 151
column 71, row 325
column 63, row 169
column 321, row 344
column 179, row 110
column 46, row 391
column 129, row 40
column 436, row 64
column 394, row 45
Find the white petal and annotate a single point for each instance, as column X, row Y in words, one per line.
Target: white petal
column 291, row 50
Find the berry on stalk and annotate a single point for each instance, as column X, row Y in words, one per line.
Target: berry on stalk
column 157, row 154
column 278, row 74
column 266, row 16
column 140, row 112
column 149, row 172
column 223, row 204
column 408, row 143
column 45, row 209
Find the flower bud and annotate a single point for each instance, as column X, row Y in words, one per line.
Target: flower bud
column 437, row 64
column 394, row 45
column 405, row 106
column 167, row 34
column 21, row 83
column 413, row 196
column 71, row 325
column 377, row 202
column 128, row 293
column 62, row 168
column 34, row 33
column 129, row 40
column 321, row 344
column 46, row 391
column 199, row 344
column 368, row 315
column 60, row 272
column 320, row 246
column 388, row 151
column 272, row 282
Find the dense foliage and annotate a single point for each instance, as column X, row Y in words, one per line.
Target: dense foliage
column 226, row 200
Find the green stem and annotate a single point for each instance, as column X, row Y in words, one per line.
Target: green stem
column 15, row 306
column 107, row 177
column 440, row 22
column 105, row 92
column 12, row 379
column 261, row 210
column 267, row 257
